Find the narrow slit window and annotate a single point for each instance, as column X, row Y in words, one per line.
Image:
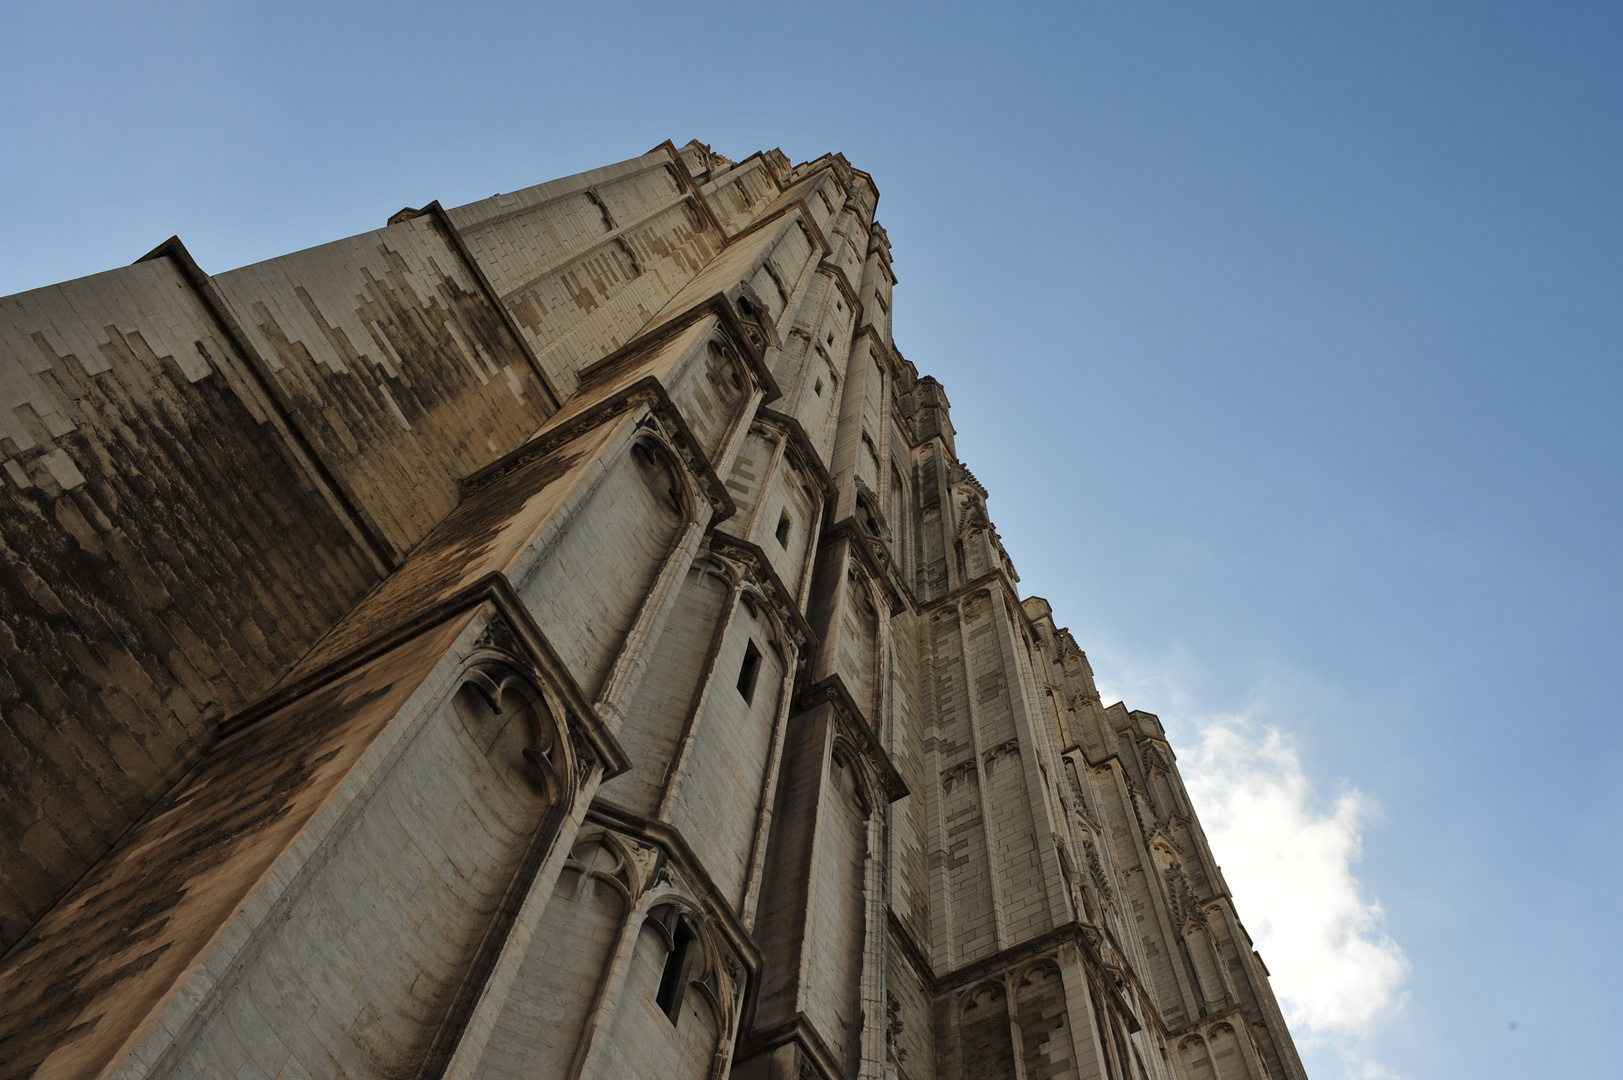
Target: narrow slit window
column 747, row 671
column 783, row 530
column 818, row 389
column 669, row 997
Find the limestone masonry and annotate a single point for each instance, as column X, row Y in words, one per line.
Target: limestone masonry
column 555, row 637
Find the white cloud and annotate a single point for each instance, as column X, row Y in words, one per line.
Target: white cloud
column 1288, row 857
column 1336, row 971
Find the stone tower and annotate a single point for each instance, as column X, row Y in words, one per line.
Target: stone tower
column 555, row 637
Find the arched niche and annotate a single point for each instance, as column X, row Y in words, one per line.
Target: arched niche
column 665, row 480
column 677, row 1003
column 670, row 688
column 541, row 1022
column 633, row 520
column 1040, row 1006
column 859, row 640
column 509, row 718
column 408, row 891
column 984, row 1034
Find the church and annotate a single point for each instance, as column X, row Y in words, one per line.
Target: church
column 556, row 638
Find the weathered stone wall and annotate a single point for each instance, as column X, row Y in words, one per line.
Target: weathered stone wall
column 395, row 364
column 389, row 918
column 168, row 554
column 583, row 262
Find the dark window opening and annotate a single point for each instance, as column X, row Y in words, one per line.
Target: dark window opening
column 818, row 389
column 673, row 981
column 783, row 530
column 748, row 671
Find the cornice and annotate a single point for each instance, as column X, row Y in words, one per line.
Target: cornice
column 1228, row 1015
column 1073, row 932
column 798, row 1030
column 676, row 847
column 901, row 597
column 1080, row 751
column 973, row 584
column 842, row 283
column 914, row 952
column 803, row 446
column 743, row 161
column 753, row 225
column 888, row 355
column 831, row 690
column 805, row 216
column 913, row 441
column 493, row 588
column 718, row 304
column 879, row 244
column 782, row 598
column 646, row 390
column 825, row 164
column 964, row 476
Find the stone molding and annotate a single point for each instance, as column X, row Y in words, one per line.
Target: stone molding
column 674, row 848
column 645, row 391
column 832, row 691
column 817, row 1060
column 527, row 643
column 771, row 586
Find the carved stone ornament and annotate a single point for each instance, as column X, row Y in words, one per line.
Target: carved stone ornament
column 1184, row 904
column 1076, row 788
column 894, row 1026
column 1002, row 749
column 585, row 752
column 499, row 636
column 1097, row 871
column 958, row 773
column 644, row 856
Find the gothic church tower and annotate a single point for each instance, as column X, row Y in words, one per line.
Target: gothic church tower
column 555, row 638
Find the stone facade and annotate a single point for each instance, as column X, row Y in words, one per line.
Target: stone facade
column 555, row 637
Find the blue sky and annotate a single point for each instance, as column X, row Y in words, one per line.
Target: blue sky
column 1288, row 339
